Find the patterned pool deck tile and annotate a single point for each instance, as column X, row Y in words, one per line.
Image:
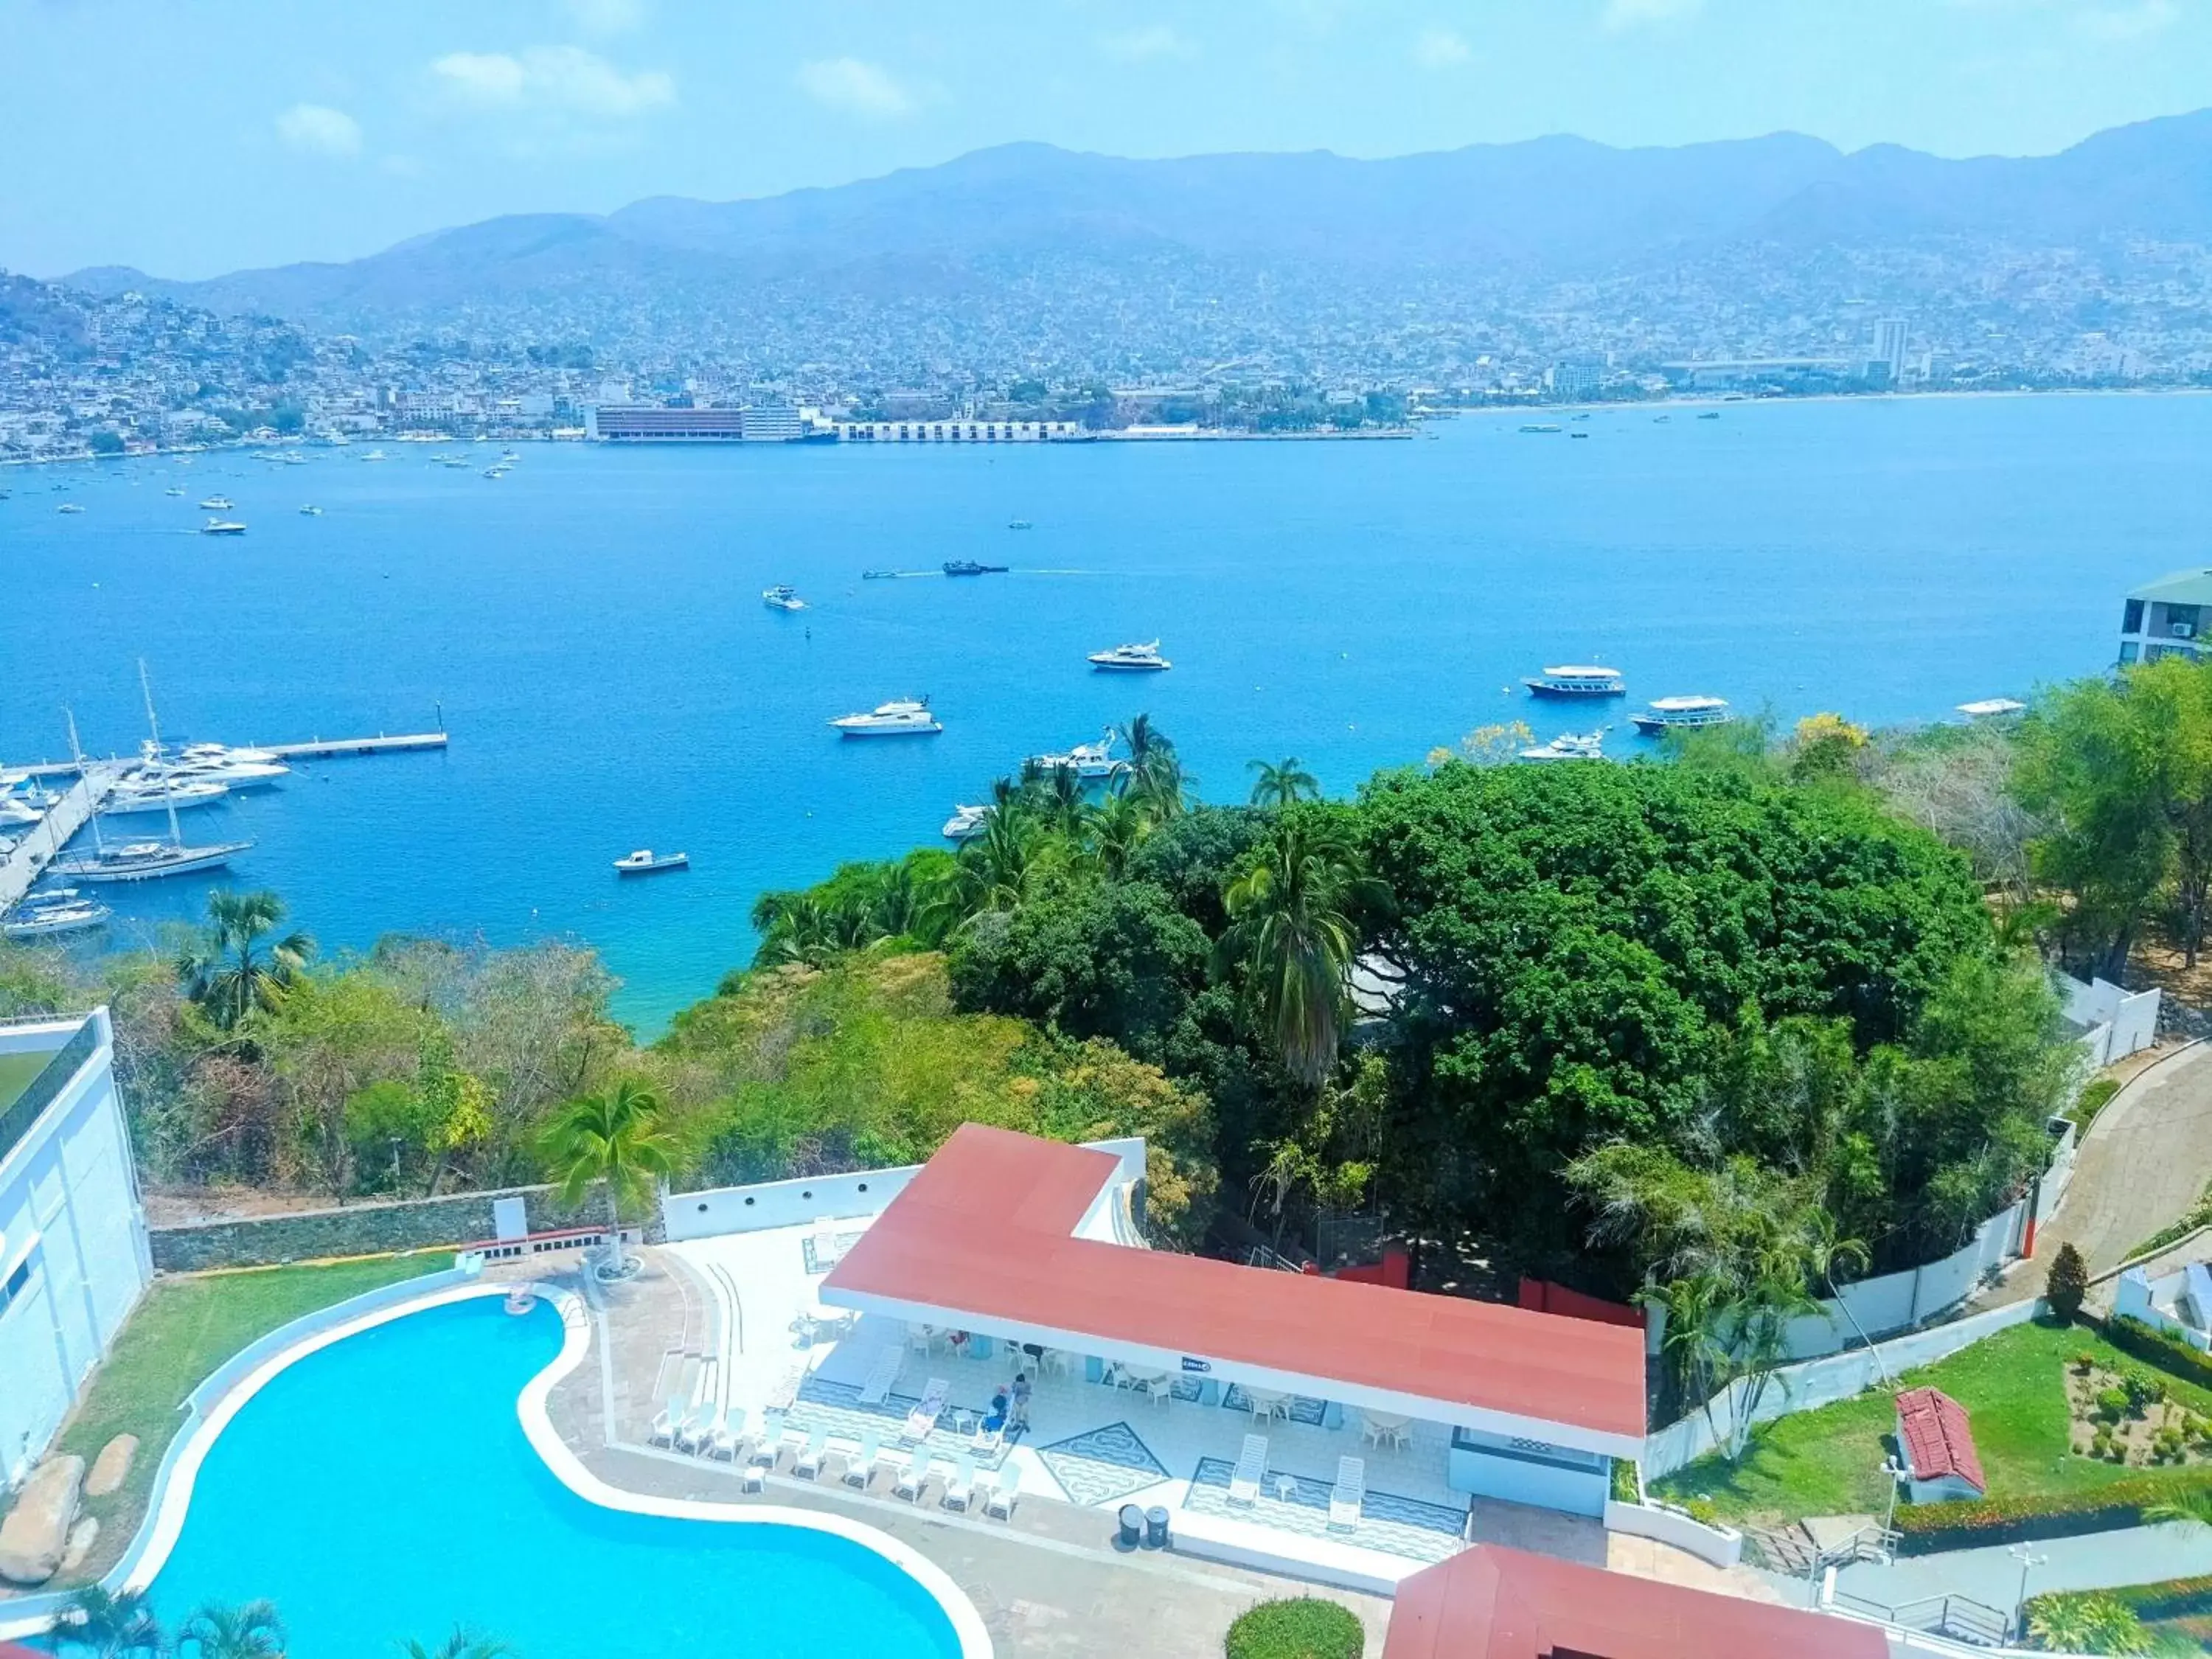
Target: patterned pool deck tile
column 838, row 1407
column 1389, row 1523
column 1103, row 1464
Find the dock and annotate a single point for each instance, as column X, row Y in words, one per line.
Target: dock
column 327, row 749
column 42, row 841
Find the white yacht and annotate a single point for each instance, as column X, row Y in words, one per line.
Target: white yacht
column 902, row 717
column 156, row 792
column 217, row 504
column 965, row 822
column 1088, row 761
column 1569, row 746
column 1576, row 680
column 240, row 768
column 1131, row 657
column 1667, row 714
column 69, row 507
column 782, row 597
column 49, row 915
column 145, row 860
column 12, row 811
column 222, row 527
column 312, row 512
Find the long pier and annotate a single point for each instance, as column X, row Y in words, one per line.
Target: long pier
column 326, row 749
column 43, row 841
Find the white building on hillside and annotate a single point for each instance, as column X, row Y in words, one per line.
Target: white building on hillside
column 74, row 1258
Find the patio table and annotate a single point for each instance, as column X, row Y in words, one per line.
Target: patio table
column 1268, row 1402
column 1382, row 1426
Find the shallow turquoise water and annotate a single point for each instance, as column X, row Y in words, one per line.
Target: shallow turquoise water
column 381, row 1489
column 593, row 627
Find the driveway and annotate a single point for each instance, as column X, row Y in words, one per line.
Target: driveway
column 2144, row 1164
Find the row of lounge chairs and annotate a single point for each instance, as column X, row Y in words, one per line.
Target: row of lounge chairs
column 1345, row 1498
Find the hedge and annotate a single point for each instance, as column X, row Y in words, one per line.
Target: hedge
column 1922, row 1528
column 1299, row 1627
column 2169, row 1598
column 2161, row 1348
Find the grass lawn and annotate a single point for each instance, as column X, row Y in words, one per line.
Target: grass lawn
column 185, row 1328
column 1829, row 1461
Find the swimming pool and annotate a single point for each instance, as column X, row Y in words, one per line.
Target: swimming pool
column 382, row 1488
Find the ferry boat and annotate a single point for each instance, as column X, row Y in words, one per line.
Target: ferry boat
column 1576, row 680
column 970, row 568
column 1090, row 762
column 222, row 527
column 217, row 504
column 1666, row 715
column 1131, row 657
column 901, row 717
column 965, row 822
column 647, row 862
column 1567, row 746
column 782, row 597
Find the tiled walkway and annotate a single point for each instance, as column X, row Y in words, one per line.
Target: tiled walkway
column 1392, row 1525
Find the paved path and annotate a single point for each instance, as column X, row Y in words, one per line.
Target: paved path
column 2144, row 1163
column 2096, row 1560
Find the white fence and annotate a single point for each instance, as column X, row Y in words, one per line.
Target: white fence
column 1721, row 1546
column 2137, row 1296
column 2114, row 1022
column 1820, row 1383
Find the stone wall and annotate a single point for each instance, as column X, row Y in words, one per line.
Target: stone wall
column 368, row 1228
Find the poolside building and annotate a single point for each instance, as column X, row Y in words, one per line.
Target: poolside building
column 74, row 1258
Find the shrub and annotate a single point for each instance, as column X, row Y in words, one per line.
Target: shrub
column 1626, row 1488
column 2095, row 1095
column 1704, row 1511
column 2067, row 1283
column 2168, row 1352
column 1925, row 1526
column 2085, row 1362
column 1297, row 1627
column 2092, row 1622
column 2143, row 1390
column 2113, row 1404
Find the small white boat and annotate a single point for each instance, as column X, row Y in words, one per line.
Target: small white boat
column 1088, row 761
column 34, row 919
column 222, row 527
column 1539, row 427
column 1666, row 715
column 312, row 512
column 217, row 504
column 173, row 490
column 646, row 862
column 155, row 792
column 69, row 507
column 12, row 811
column 1568, row 746
column 966, row 821
column 1992, row 708
column 1576, row 680
column 782, row 597
column 373, row 455
column 1136, row 658
column 902, row 717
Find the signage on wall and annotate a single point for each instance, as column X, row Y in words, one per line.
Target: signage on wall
column 1190, row 1365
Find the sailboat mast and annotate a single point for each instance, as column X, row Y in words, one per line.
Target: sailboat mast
column 76, row 754
column 153, row 724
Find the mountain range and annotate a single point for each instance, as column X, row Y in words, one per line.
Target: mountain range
column 1550, row 209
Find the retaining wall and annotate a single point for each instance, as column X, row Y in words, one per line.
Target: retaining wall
column 369, row 1228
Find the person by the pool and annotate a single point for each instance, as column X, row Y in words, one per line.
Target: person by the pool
column 996, row 1419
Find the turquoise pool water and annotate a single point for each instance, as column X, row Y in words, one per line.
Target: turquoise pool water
column 382, row 1489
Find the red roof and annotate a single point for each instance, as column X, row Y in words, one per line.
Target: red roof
column 1938, row 1438
column 1491, row 1603
column 985, row 1231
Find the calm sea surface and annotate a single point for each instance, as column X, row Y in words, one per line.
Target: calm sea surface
column 591, row 626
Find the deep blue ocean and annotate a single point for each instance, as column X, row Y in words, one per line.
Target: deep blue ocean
column 590, row 629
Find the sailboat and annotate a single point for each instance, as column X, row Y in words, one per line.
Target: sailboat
column 141, row 860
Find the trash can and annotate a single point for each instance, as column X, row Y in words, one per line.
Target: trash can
column 1156, row 1529
column 1133, row 1526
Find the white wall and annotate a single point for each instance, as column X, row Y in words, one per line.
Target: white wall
column 2116, row 1022
column 2136, row 1298
column 1721, row 1546
column 1897, row 1302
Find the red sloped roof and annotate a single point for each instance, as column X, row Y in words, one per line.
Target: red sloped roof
column 986, row 1230
column 1491, row 1602
column 1939, row 1440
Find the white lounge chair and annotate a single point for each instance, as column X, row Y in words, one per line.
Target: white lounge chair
column 914, row 1477
column 1251, row 1466
column 671, row 1417
column 691, row 1433
column 923, row 1418
column 808, row 1462
column 723, row 1439
column 760, row 1463
column 828, row 1252
column 961, row 1489
column 861, row 1465
column 1349, row 1493
column 881, row 1375
column 1000, row 1500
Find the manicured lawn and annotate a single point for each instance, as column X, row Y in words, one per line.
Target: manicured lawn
column 185, row 1327
column 1829, row 1461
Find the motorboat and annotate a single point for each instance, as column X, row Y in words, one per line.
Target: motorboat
column 1019, row 523
column 902, row 717
column 69, row 507
column 782, row 597
column 877, row 575
column 1711, row 415
column 1576, row 680
column 172, row 489
column 1090, row 762
column 970, row 568
column 373, row 455
column 217, row 504
column 238, row 768
column 1666, row 715
column 50, row 916
column 1539, row 427
column 222, row 527
column 1567, row 746
column 147, row 860
column 647, row 862
column 1134, row 659
column 965, row 822
column 12, row 811
column 312, row 512
column 156, row 792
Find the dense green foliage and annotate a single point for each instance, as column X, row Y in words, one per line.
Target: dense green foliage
column 1999, row 1519
column 2161, row 1348
column 1296, row 1627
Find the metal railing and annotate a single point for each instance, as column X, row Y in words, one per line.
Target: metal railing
column 1958, row 1617
column 16, row 1123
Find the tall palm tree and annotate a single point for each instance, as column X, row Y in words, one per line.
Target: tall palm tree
column 613, row 1138
column 1284, row 783
column 251, row 1630
column 228, row 973
column 795, row 928
column 460, row 1644
column 1143, row 741
column 996, row 862
column 1064, row 809
column 1289, row 929
column 1117, row 825
column 113, row 1625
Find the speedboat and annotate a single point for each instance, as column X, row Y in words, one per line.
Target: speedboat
column 782, row 597
column 1667, row 714
column 902, row 717
column 69, row 507
column 877, row 575
column 173, row 490
column 49, row 915
column 239, row 769
column 153, row 791
column 1568, row 746
column 969, row 567
column 965, row 822
column 1576, row 680
column 1535, row 427
column 222, row 527
column 12, row 811
column 647, row 862
column 1132, row 658
column 1088, row 761
column 1019, row 523
column 1711, row 415
column 373, row 455
column 313, row 512
column 147, row 860
column 217, row 504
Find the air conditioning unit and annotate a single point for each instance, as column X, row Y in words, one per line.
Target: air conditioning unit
column 2185, row 630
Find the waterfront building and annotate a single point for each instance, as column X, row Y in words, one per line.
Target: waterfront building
column 2167, row 617
column 770, row 423
column 957, row 432
column 1889, row 334
column 74, row 1257
column 1572, row 381
column 651, row 424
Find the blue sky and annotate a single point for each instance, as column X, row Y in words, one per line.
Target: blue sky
column 192, row 137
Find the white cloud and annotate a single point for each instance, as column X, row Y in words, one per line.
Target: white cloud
column 319, row 130
column 1441, row 49
column 565, row 79
column 1632, row 14
column 1145, row 45
column 604, row 17
column 2119, row 23
column 854, row 86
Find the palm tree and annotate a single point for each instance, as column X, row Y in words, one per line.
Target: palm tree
column 1285, row 783
column 795, row 928
column 613, row 1138
column 995, row 864
column 461, row 1644
column 227, row 973
column 1829, row 1256
column 251, row 1630
column 1117, row 825
column 2191, row 1504
column 114, row 1624
column 1143, row 741
column 1289, row 930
